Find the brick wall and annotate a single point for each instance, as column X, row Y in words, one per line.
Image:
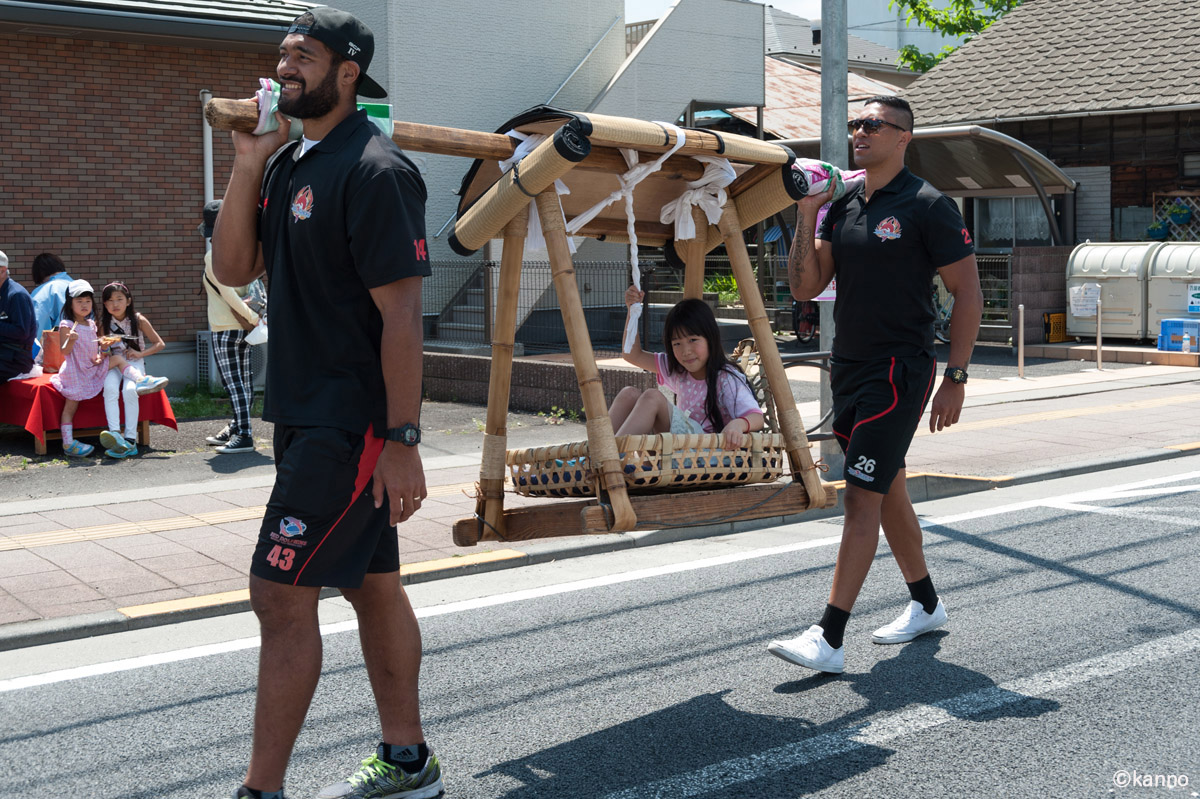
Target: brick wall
column 1039, row 282
column 536, row 385
column 103, row 163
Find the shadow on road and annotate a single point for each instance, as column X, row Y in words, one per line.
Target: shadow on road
column 704, row 747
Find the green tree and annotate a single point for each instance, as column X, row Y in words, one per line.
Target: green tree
column 960, row 18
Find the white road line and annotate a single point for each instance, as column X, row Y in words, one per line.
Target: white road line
column 1142, row 514
column 127, row 664
column 881, row 731
column 63, row 675
column 1127, row 491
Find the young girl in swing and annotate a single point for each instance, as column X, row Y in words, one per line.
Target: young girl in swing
column 711, row 392
column 84, row 364
column 119, row 318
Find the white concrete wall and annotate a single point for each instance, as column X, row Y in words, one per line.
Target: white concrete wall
column 704, row 50
column 476, row 63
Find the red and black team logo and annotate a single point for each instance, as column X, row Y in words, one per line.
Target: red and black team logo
column 419, row 246
column 302, row 204
column 966, row 237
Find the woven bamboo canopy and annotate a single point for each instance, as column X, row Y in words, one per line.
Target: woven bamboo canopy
column 595, row 156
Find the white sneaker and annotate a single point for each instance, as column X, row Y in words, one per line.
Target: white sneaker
column 911, row 623
column 811, row 650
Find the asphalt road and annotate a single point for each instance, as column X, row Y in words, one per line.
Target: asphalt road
column 1067, row 669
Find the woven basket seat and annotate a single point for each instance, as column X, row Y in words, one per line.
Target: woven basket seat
column 663, row 462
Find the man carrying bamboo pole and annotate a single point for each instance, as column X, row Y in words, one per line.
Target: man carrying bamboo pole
column 884, row 241
column 339, row 230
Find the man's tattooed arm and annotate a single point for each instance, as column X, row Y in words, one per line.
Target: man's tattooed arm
column 802, row 250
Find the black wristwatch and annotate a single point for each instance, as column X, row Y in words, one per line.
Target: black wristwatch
column 409, row 435
column 956, row 375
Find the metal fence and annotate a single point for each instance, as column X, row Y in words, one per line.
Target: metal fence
column 995, row 279
column 459, row 298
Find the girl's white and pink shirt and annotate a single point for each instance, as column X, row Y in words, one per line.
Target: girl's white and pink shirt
column 733, row 393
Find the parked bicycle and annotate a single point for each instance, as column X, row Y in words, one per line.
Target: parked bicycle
column 806, row 320
column 941, row 319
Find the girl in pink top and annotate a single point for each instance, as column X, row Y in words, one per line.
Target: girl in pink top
column 711, row 393
column 85, row 363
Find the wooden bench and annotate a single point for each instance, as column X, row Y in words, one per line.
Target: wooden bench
column 37, row 406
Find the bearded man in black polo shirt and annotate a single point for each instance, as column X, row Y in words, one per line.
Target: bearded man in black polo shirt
column 884, row 242
column 338, row 228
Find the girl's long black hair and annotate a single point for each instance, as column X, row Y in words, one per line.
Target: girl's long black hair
column 108, row 322
column 695, row 318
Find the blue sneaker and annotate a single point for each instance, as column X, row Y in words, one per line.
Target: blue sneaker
column 78, row 449
column 148, row 385
column 128, row 451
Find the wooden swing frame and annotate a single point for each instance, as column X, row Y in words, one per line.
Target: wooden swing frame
column 502, row 211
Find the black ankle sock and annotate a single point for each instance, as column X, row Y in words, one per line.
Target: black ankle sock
column 833, row 622
column 251, row 793
column 409, row 759
column 922, row 591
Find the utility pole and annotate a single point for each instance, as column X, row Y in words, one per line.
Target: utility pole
column 835, row 149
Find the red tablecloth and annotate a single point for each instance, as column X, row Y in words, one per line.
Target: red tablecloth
column 37, row 406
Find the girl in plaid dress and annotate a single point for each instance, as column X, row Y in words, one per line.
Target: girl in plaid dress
column 85, row 364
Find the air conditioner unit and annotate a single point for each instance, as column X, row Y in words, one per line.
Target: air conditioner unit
column 207, row 373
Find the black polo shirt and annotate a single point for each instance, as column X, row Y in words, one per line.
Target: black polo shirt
column 346, row 217
column 885, row 255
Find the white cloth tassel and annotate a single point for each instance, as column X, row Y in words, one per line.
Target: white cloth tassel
column 534, row 239
column 707, row 191
column 636, row 174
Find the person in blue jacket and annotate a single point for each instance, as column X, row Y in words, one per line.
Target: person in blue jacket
column 17, row 327
column 50, row 280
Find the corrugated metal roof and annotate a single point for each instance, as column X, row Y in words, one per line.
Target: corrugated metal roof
column 257, row 12
column 793, row 93
column 788, row 33
column 1047, row 59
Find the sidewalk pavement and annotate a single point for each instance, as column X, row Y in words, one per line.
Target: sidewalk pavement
column 74, row 566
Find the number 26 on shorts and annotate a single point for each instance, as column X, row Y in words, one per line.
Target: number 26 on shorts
column 864, row 464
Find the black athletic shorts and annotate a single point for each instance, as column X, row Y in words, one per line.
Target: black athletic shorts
column 876, row 408
column 322, row 527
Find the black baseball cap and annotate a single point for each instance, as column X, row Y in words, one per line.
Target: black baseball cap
column 345, row 35
column 211, row 209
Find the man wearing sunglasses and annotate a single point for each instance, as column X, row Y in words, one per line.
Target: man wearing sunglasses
column 884, row 242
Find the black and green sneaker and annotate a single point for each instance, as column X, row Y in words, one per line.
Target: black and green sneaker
column 379, row 779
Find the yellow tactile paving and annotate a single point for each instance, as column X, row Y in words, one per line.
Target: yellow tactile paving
column 172, row 605
column 243, row 595
column 464, row 560
column 120, row 529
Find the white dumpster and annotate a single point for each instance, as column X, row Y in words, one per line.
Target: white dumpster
column 1119, row 269
column 1172, row 286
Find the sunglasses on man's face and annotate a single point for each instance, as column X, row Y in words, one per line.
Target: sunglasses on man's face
column 871, row 125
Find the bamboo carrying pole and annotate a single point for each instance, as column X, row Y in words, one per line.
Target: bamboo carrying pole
column 756, row 315
column 490, row 506
column 694, row 252
column 602, row 444
column 242, row 115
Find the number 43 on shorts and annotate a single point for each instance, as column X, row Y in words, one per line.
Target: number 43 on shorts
column 282, row 559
